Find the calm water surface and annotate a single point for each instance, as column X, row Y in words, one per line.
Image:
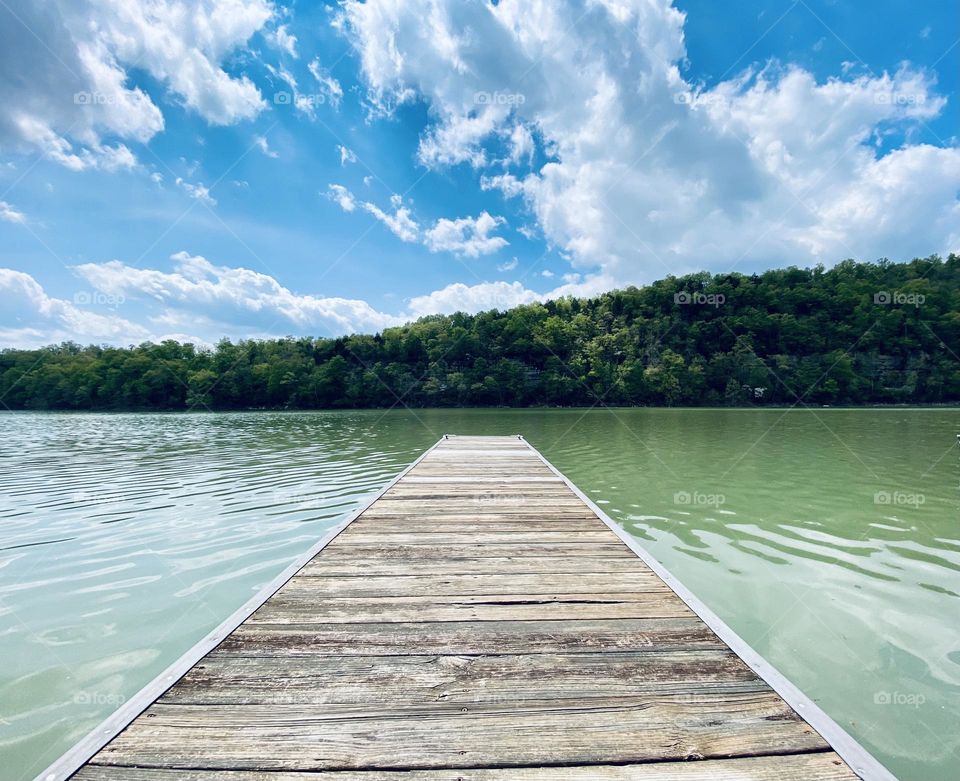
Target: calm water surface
column 828, row 539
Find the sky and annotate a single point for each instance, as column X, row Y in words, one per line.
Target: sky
column 200, row 169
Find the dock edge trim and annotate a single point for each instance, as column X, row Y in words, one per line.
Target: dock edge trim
column 82, row 752
column 861, row 761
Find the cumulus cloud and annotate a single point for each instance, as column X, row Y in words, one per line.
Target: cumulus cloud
column 264, row 146
column 9, row 213
column 342, row 197
column 226, row 299
column 469, row 236
column 479, row 297
column 197, row 191
column 78, row 107
column 644, row 173
column 400, row 221
column 508, row 184
column 459, row 297
column 31, row 318
column 346, row 155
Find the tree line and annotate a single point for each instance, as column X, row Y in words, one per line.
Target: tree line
column 858, row 333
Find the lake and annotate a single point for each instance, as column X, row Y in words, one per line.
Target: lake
column 829, row 539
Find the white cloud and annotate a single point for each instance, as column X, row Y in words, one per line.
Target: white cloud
column 197, row 191
column 283, row 39
column 467, row 236
column 347, row 156
column 263, row 145
column 400, row 222
column 342, row 196
column 459, row 297
column 183, row 44
column 229, row 300
column 31, row 318
column 522, row 145
column 546, row 274
column 330, row 90
column 508, row 184
column 646, row 173
column 78, row 52
column 8, row 213
column 510, row 265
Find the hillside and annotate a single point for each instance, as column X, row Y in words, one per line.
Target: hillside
column 859, row 333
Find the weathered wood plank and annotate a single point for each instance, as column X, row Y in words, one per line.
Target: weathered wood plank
column 466, row 638
column 465, row 473
column 387, row 552
column 413, row 525
column 823, row 766
column 517, row 481
column 489, row 565
column 297, row 608
column 327, row 737
column 418, row 680
column 496, row 506
column 356, row 536
column 476, row 512
column 320, row 586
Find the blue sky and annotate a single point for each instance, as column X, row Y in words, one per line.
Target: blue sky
column 242, row 168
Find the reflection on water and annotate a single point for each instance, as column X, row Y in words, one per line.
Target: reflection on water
column 829, row 539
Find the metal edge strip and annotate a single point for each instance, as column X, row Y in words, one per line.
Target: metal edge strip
column 81, row 753
column 861, row 761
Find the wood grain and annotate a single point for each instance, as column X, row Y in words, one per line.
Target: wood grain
column 327, row 737
column 825, row 766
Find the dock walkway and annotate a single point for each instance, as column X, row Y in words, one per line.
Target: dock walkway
column 480, row 620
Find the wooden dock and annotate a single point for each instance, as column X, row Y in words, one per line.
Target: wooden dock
column 479, row 620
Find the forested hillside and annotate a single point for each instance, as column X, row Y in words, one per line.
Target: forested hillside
column 855, row 334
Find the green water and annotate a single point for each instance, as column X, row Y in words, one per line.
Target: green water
column 828, row 539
